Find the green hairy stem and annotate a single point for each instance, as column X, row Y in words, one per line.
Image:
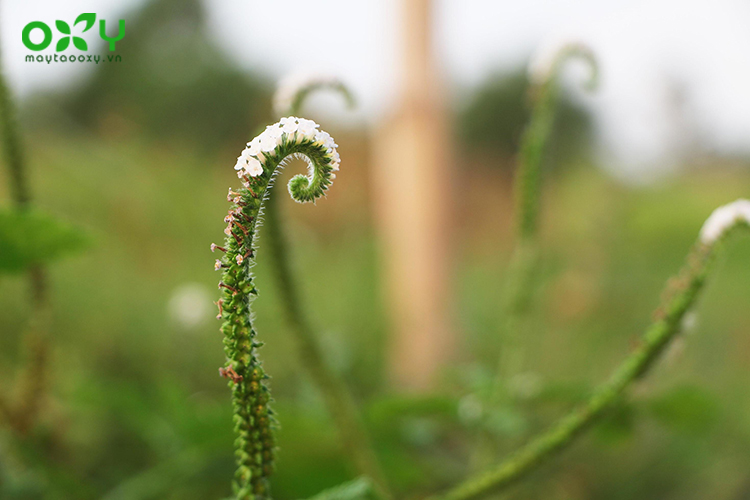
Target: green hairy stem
column 680, row 297
column 33, row 377
column 253, row 419
column 354, row 437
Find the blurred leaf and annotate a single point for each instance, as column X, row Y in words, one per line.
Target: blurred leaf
column 618, row 425
column 31, row 237
column 687, row 409
column 360, row 488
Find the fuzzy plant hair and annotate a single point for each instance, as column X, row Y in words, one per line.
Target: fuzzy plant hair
column 257, row 167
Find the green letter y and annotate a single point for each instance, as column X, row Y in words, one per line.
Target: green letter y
column 120, row 33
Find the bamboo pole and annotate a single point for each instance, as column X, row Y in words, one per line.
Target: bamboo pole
column 413, row 210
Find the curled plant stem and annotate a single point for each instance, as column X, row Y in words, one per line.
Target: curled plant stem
column 294, row 90
column 680, row 297
column 33, row 378
column 257, row 167
column 338, row 400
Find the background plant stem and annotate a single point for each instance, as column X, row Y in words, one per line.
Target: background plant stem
column 682, row 294
column 36, row 339
column 519, row 283
column 338, row 400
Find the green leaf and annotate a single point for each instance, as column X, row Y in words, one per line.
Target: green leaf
column 687, row 409
column 62, row 27
column 63, row 43
column 618, row 425
column 80, row 43
column 88, row 18
column 358, row 489
column 31, row 237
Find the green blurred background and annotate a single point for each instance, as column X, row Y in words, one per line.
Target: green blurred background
column 136, row 409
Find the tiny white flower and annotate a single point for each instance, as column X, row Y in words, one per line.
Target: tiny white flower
column 241, row 162
column 253, row 147
column 307, row 128
column 289, row 125
column 274, row 130
column 267, row 142
column 320, row 136
column 254, row 168
column 724, row 218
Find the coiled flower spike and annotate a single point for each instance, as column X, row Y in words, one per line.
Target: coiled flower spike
column 257, row 166
column 294, row 89
column 543, row 70
column 546, row 62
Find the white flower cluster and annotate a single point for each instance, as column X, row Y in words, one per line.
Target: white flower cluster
column 294, row 129
column 545, row 58
column 293, row 84
column 724, row 218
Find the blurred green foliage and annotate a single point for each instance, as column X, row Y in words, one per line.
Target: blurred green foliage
column 29, row 238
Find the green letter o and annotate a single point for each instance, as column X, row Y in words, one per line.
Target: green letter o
column 26, row 35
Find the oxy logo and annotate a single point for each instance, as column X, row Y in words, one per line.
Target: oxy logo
column 87, row 21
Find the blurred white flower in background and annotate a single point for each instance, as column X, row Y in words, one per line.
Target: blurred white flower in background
column 723, row 219
column 527, row 385
column 190, row 305
column 470, row 409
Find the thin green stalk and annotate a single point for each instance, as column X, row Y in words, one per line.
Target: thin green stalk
column 680, row 298
column 37, row 338
column 258, row 165
column 519, row 283
column 336, row 396
column 14, row 156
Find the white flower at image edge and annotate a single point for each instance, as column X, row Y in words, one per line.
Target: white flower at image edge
column 724, row 218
